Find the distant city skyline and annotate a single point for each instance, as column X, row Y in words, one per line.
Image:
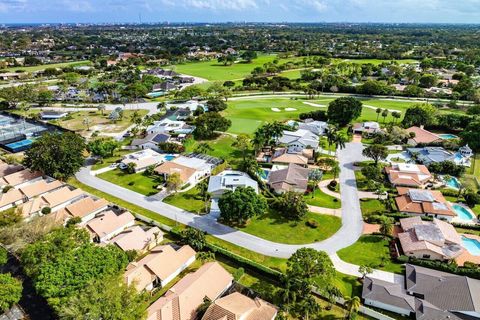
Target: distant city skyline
column 120, row 11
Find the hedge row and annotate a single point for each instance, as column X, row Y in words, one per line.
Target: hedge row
column 446, row 267
column 466, row 226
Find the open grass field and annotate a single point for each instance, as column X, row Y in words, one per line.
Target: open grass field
column 370, row 250
column 372, row 206
column 188, row 200
column 274, row 227
column 45, row 66
column 105, row 162
column 214, row 71
column 321, row 199
column 222, row 148
column 137, row 182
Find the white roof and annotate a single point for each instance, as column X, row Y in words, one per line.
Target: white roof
column 230, row 180
column 195, row 163
column 408, row 167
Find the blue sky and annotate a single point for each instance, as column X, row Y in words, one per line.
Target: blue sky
column 451, row 11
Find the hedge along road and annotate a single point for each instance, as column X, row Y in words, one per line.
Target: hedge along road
column 351, row 230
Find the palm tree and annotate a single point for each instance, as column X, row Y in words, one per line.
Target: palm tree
column 101, row 108
column 203, row 148
column 340, row 141
column 396, row 115
column 86, row 122
column 386, row 227
column 384, row 114
column 136, row 118
column 378, row 111
column 352, row 305
column 331, row 135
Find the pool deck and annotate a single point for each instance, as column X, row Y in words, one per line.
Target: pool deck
column 458, row 220
column 467, row 256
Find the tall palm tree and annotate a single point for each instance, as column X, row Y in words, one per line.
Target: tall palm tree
column 352, row 304
column 340, row 141
column 384, row 114
column 378, row 111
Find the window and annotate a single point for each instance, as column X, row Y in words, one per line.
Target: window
column 426, row 256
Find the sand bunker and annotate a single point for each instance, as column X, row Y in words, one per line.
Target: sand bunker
column 275, row 110
column 290, row 109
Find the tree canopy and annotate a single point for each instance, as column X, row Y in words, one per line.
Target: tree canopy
column 10, row 291
column 420, row 114
column 343, row 110
column 59, row 155
column 207, row 123
column 240, row 205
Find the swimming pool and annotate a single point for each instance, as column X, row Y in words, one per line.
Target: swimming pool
column 447, row 136
column 453, row 183
column 472, row 246
column 264, row 174
column 462, row 213
column 169, row 157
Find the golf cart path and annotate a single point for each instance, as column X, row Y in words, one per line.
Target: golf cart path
column 348, row 234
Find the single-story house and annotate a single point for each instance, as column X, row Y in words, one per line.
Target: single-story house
column 282, row 156
column 237, row 306
column 20, row 178
column 108, row 224
column 422, row 136
column 230, row 180
column 141, row 159
column 426, row 294
column 293, row 178
column 314, row 126
column 428, row 155
column 424, row 202
column 408, row 175
column 54, row 200
column 138, row 239
column 170, row 126
column 85, row 209
column 437, row 240
column 182, row 300
column 159, row 267
column 297, row 141
column 150, row 141
column 11, row 198
column 370, row 127
column 187, row 174
column 53, row 115
column 15, row 197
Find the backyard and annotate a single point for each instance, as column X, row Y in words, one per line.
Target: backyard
column 274, row 227
column 373, row 251
column 221, row 148
column 138, row 182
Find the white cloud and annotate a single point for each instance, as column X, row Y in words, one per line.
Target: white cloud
column 221, row 4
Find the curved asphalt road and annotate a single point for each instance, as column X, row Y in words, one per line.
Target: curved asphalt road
column 351, row 230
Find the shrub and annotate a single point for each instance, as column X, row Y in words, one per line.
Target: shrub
column 7, row 188
column 403, row 259
column 46, row 210
column 237, row 274
column 3, row 256
column 312, row 223
column 73, row 221
column 333, row 184
column 131, row 183
column 472, row 199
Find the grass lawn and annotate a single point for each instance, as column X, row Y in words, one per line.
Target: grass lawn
column 188, row 200
column 375, row 61
column 322, row 199
column 137, row 182
column 372, row 206
column 75, row 121
column 105, row 162
column 222, row 148
column 370, row 250
column 272, row 226
column 45, row 66
column 214, row 71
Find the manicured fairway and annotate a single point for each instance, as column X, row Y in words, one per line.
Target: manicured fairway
column 214, row 71
column 375, row 61
column 272, row 226
column 45, row 66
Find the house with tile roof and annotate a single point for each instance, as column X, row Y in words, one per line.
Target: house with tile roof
column 54, row 200
column 138, row 238
column 182, row 300
column 293, row 178
column 108, row 224
column 436, row 240
column 15, row 197
column 426, row 294
column 237, row 306
column 191, row 169
column 408, row 175
column 20, row 178
column 424, row 202
column 420, row 135
column 84, row 208
column 159, row 267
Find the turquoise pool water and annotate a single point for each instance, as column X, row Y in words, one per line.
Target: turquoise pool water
column 447, row 136
column 462, row 213
column 169, row 157
column 264, row 174
column 453, row 183
column 472, row 246
column 19, row 145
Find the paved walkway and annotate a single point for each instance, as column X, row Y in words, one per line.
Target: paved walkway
column 323, row 185
column 328, row 211
column 348, row 234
